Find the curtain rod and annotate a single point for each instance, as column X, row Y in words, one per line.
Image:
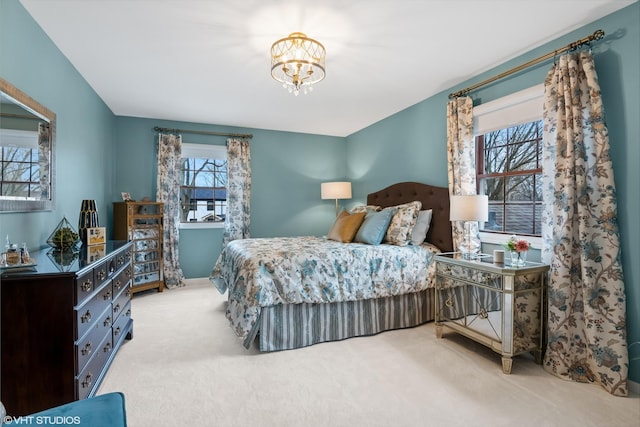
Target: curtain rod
column 200, row 132
column 599, row 34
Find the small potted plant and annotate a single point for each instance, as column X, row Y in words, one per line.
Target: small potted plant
column 64, row 237
column 518, row 249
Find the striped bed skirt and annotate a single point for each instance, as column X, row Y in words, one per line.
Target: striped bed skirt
column 285, row 327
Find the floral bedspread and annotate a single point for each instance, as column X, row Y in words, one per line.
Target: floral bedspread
column 290, row 270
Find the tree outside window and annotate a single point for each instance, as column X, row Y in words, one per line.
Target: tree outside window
column 509, row 171
column 19, row 173
column 203, row 193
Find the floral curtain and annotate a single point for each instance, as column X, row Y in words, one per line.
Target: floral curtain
column 461, row 155
column 169, row 179
column 586, row 297
column 237, row 220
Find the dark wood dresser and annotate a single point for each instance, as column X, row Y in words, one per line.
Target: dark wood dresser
column 62, row 323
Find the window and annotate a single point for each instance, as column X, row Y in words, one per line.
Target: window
column 509, row 161
column 203, row 192
column 19, row 165
column 509, row 171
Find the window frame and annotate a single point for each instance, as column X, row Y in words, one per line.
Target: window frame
column 518, row 108
column 190, row 150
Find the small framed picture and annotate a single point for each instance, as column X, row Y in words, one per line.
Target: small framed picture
column 96, row 236
column 126, row 196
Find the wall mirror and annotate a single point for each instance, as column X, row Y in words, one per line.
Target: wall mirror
column 27, row 138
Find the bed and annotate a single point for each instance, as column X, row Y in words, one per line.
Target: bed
column 292, row 292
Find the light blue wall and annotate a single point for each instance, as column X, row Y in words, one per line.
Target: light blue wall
column 287, row 169
column 84, row 160
column 411, row 145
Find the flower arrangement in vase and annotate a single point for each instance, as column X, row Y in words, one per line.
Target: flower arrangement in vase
column 518, row 249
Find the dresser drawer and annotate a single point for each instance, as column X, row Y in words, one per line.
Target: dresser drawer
column 121, row 301
column 121, row 324
column 141, row 279
column 88, row 345
column 86, row 380
column 121, row 280
column 100, row 273
column 87, row 314
column 486, row 278
column 123, row 258
column 83, row 287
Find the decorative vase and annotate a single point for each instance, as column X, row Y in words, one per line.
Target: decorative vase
column 88, row 218
column 518, row 259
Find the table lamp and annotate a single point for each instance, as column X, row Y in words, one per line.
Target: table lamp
column 469, row 208
column 335, row 190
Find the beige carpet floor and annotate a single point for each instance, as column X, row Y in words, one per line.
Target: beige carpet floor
column 185, row 367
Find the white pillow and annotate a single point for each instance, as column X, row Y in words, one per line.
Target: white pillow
column 420, row 230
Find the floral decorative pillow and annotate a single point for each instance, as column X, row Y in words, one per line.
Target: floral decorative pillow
column 402, row 223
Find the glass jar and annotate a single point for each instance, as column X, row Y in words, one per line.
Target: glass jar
column 12, row 257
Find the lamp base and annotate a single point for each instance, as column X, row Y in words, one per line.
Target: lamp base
column 470, row 246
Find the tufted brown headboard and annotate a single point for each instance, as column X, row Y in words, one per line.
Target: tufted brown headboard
column 436, row 198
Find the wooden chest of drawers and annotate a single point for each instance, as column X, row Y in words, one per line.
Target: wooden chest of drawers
column 141, row 223
column 62, row 325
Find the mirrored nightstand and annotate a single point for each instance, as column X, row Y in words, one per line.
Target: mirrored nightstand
column 494, row 304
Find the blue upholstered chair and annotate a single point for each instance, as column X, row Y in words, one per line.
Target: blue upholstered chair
column 106, row 410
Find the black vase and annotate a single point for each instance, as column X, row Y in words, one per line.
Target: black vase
column 88, row 218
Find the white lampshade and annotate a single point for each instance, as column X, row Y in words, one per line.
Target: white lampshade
column 469, row 208
column 335, row 190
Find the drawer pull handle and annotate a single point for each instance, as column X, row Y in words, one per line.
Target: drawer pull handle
column 116, row 332
column 118, row 284
column 86, row 318
column 107, row 296
column 128, row 293
column 101, row 274
column 116, row 308
column 107, row 322
column 87, row 349
column 128, row 313
column 86, row 286
column 87, row 381
column 107, row 348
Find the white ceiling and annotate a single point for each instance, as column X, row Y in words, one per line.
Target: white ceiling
column 208, row 61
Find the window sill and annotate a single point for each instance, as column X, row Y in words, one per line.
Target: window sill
column 199, row 225
column 501, row 239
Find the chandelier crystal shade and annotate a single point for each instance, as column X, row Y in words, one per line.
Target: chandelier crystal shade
column 297, row 62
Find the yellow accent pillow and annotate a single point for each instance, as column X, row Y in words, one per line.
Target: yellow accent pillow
column 346, row 226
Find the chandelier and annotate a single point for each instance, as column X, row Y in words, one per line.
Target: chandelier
column 297, row 62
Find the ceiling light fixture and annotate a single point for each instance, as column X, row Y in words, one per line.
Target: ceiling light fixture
column 297, row 62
